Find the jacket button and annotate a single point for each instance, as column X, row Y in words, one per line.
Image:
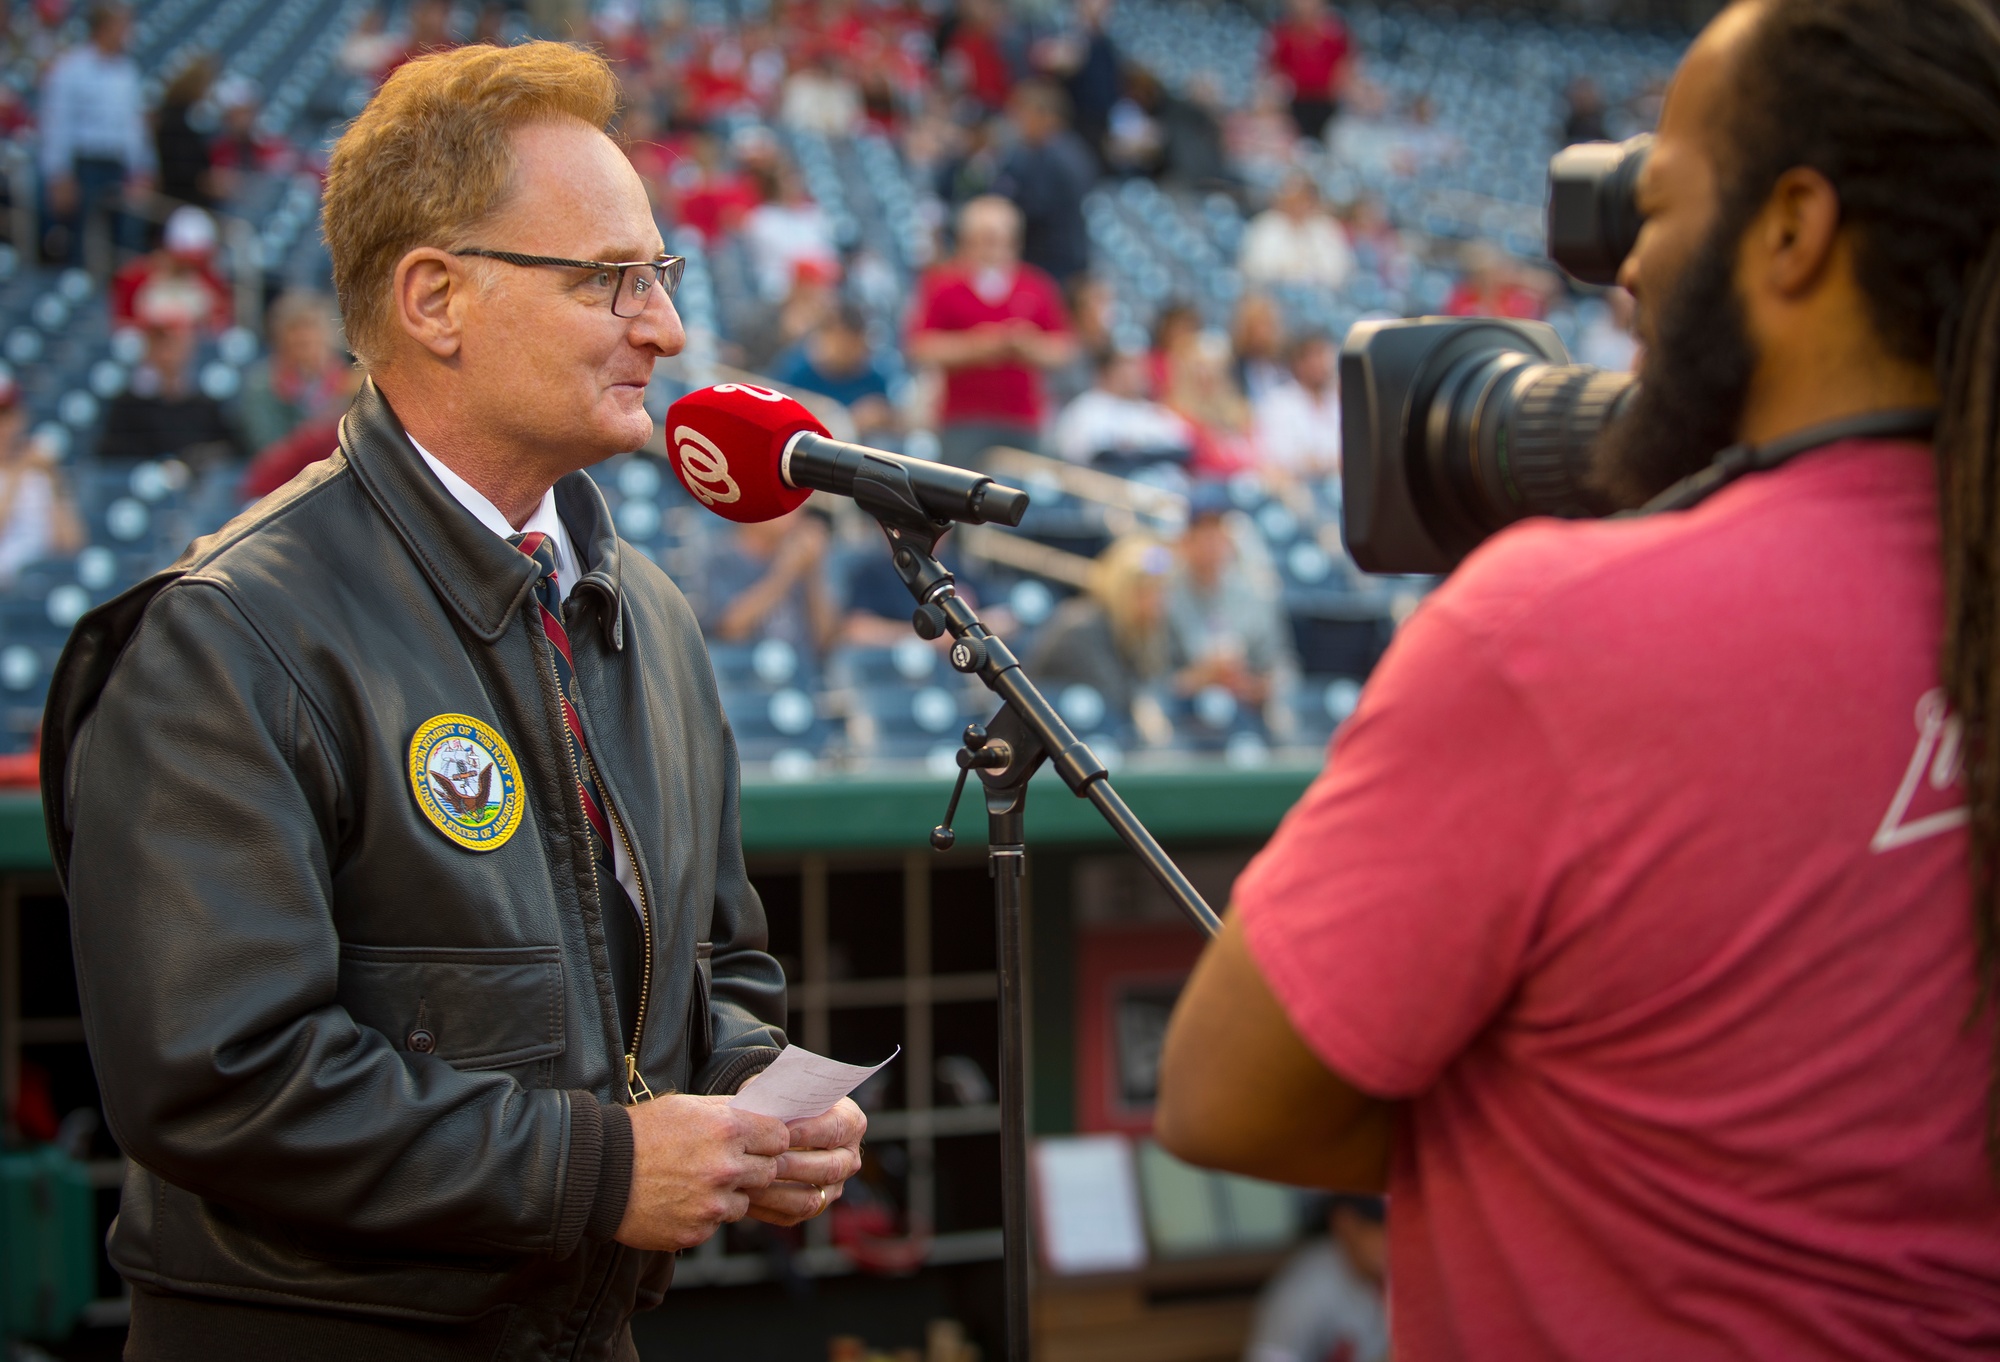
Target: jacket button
column 422, row 1041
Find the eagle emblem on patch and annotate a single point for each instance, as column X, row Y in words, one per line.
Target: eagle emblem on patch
column 466, row 781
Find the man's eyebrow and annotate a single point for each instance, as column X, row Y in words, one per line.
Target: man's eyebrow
column 629, row 252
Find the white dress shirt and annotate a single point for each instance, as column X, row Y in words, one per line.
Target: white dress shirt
column 568, row 568
column 545, row 519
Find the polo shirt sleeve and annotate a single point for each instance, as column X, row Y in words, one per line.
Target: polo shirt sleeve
column 1394, row 909
column 1047, row 309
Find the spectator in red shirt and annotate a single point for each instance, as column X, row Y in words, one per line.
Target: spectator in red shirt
column 1638, row 933
column 994, row 326
column 430, row 31
column 1493, row 286
column 975, row 55
column 178, row 279
column 708, row 195
column 1311, row 50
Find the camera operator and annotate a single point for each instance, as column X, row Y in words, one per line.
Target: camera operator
column 1635, row 937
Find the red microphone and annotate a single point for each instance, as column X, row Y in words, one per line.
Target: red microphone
column 726, row 444
column 748, row 453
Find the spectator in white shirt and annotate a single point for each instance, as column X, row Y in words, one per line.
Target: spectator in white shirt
column 37, row 518
column 1298, row 422
column 95, row 148
column 820, row 97
column 1116, row 424
column 1327, row 1301
column 1295, row 240
column 785, row 231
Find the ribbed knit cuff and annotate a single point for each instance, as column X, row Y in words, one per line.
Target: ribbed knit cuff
column 599, row 1179
column 614, row 1180
column 726, row 1076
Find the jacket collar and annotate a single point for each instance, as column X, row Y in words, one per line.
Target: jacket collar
column 476, row 573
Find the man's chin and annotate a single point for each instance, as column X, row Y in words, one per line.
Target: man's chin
column 620, row 430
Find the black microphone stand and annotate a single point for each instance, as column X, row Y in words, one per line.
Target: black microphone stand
column 1006, row 753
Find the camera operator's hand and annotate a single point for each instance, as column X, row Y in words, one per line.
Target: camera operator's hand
column 696, row 1161
column 825, row 1153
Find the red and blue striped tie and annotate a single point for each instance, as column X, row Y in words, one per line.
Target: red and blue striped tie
column 622, row 925
column 547, row 600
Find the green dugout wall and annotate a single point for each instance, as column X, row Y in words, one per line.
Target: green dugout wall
column 885, row 943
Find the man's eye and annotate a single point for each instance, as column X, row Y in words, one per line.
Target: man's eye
column 604, row 279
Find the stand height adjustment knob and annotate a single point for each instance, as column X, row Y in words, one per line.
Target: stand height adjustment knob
column 928, row 621
column 968, row 655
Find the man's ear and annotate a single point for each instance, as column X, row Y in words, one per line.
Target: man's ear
column 427, row 299
column 1796, row 234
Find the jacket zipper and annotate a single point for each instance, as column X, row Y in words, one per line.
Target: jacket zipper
column 635, row 1082
column 636, row 1090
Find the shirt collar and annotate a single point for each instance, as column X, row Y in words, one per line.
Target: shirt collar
column 545, row 518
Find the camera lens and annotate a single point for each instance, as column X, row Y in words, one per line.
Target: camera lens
column 1510, row 436
column 1456, row 428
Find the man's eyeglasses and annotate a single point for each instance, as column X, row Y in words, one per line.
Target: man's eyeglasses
column 629, row 282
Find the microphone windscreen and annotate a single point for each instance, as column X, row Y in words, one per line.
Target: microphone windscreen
column 725, row 444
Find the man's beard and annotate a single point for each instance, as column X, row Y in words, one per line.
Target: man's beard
column 1693, row 379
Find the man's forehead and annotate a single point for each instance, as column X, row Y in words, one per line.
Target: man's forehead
column 1700, row 87
column 577, row 195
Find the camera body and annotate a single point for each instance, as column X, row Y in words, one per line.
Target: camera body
column 1452, row 428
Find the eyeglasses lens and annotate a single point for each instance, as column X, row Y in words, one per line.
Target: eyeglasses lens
column 637, row 282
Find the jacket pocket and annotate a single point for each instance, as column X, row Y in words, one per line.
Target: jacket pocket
column 473, row 1007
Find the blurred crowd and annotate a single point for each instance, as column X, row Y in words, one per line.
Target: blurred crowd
column 1009, row 333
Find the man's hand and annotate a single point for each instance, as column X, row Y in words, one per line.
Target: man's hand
column 696, row 1161
column 825, row 1153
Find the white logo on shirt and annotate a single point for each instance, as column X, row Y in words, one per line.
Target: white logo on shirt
column 704, row 467
column 1939, row 758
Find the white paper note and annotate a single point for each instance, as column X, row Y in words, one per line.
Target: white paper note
column 800, row 1085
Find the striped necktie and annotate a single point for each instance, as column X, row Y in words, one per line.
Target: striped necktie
column 623, row 928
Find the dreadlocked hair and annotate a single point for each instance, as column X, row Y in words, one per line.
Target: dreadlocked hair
column 1897, row 103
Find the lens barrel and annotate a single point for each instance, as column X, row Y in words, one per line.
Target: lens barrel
column 1509, row 436
column 1455, row 429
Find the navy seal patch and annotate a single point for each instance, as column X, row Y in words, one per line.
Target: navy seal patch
column 466, row 781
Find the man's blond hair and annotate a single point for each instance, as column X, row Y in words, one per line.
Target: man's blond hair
column 431, row 158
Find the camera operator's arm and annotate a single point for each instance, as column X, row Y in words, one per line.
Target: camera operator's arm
column 1398, row 911
column 1239, row 1090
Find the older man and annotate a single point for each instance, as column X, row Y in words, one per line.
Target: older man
column 399, row 819
column 994, row 326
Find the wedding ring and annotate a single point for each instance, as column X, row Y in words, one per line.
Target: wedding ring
column 822, row 1204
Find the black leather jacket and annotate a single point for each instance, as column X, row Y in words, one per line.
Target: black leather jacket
column 357, row 1066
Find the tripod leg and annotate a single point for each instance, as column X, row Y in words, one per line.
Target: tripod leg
column 1006, row 857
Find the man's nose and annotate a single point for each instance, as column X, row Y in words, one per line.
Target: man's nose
column 1628, row 272
column 658, row 325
